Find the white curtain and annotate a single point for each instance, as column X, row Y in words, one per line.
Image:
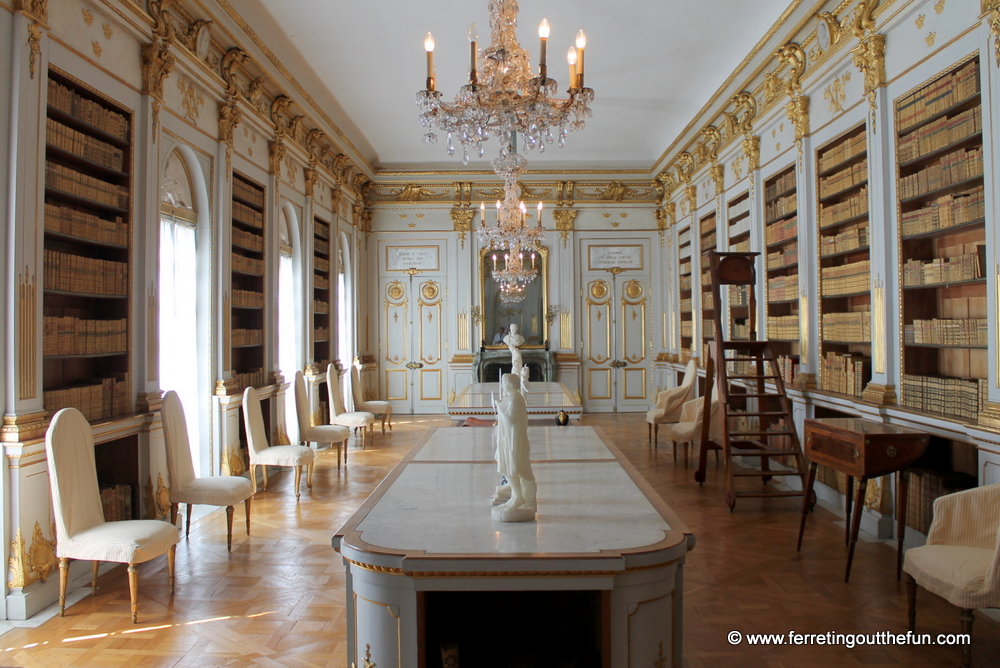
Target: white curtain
column 287, row 357
column 178, row 323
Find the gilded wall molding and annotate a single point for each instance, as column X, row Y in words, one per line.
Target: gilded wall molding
column 869, row 53
column 34, row 46
column 158, row 499
column 27, row 308
column 276, row 156
column 311, row 177
column 37, row 10
column 230, row 116
column 991, row 9
column 191, row 99
column 24, row 427
column 565, row 220
column 797, row 108
column 462, row 221
column 25, row 567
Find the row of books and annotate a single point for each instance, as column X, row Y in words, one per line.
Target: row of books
column 783, row 327
column 944, row 212
column 842, row 152
column 74, row 273
column 321, row 333
column 248, row 298
column 708, row 242
column 321, row 247
column 937, row 96
column 739, row 208
column 247, row 337
column 97, row 398
column 706, row 277
column 707, row 225
column 85, row 146
column 685, row 305
column 845, row 178
column 851, row 207
column 685, row 282
column 740, row 331
column 741, row 226
column 708, row 301
column 952, row 168
column 687, row 328
column 321, row 282
column 781, row 207
column 954, row 396
column 939, row 134
column 684, row 268
column 254, row 378
column 782, row 231
column 785, row 257
column 248, row 192
column 321, row 229
column 783, row 183
column 66, row 335
column 966, row 267
column 741, row 246
column 248, row 265
column 707, row 329
column 850, row 238
column 947, row 332
column 924, row 488
column 88, row 111
column 249, row 240
column 684, row 237
column 788, row 368
column 782, row 288
column 740, row 367
column 77, row 223
column 739, row 295
column 853, row 326
column 320, row 264
column 845, row 373
column 320, row 306
column 247, row 216
column 116, row 502
column 60, row 177
column 846, row 279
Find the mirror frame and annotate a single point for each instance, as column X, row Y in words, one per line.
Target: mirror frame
column 543, row 251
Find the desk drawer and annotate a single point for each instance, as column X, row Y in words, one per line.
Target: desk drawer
column 836, row 451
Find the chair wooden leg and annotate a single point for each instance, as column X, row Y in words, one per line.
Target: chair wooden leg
column 298, row 478
column 93, row 582
column 246, row 506
column 649, row 432
column 675, row 450
column 656, row 435
column 967, row 617
column 345, row 454
column 187, row 526
column 173, row 513
column 171, row 563
column 309, row 475
column 911, row 601
column 63, row 580
column 383, row 423
column 338, row 455
column 687, row 450
column 263, row 468
column 133, row 591
column 229, row 528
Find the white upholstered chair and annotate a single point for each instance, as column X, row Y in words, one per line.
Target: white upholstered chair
column 670, row 402
column 355, row 420
column 321, row 433
column 81, row 531
column 184, row 486
column 688, row 428
column 295, row 456
column 961, row 560
column 382, row 408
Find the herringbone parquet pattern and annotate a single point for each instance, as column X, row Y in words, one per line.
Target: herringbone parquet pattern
column 278, row 599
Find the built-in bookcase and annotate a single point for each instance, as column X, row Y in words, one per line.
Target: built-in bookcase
column 708, row 241
column 939, row 147
column 87, row 252
column 248, row 281
column 686, row 292
column 738, row 231
column 844, row 264
column 781, row 241
column 322, row 257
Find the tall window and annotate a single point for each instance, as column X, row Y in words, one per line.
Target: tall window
column 288, row 335
column 178, row 312
column 345, row 330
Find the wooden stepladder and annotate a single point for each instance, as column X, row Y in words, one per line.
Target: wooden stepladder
column 757, row 423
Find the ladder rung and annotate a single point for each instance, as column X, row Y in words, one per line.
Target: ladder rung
column 765, row 453
column 743, row 495
column 765, row 395
column 765, row 377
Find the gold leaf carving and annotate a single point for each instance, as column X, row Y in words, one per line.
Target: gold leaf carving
column 930, row 38
column 835, row 94
column 41, row 555
column 34, row 46
column 920, row 22
column 565, row 220
column 35, row 9
column 98, row 49
column 191, row 99
column 939, row 7
column 88, row 17
column 157, row 64
column 462, row 222
column 108, row 31
column 17, row 575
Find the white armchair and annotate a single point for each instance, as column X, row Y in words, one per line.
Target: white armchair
column 382, row 408
column 184, row 486
column 355, row 420
column 81, row 530
column 320, row 433
column 961, row 560
column 688, row 428
column 295, row 456
column 670, row 402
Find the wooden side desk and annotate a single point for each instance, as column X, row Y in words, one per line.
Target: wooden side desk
column 863, row 450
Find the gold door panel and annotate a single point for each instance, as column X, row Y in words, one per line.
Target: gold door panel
column 634, row 380
column 397, row 383
column 599, row 384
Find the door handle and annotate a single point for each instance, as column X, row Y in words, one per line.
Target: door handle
column 414, row 365
column 617, row 364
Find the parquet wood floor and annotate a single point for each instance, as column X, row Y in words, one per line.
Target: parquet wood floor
column 278, row 599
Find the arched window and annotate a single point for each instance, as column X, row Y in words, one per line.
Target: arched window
column 178, row 290
column 289, row 336
column 345, row 324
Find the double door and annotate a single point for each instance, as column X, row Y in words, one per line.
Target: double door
column 412, row 342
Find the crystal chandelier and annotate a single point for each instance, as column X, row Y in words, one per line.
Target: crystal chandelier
column 514, row 277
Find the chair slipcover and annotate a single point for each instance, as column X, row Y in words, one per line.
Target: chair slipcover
column 670, row 402
column 383, row 408
column 308, row 432
column 294, row 456
column 688, row 429
column 338, row 413
column 81, row 530
column 184, row 486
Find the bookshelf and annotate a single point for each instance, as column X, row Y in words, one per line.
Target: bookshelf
column 321, row 293
column 686, row 292
column 738, row 231
column 844, row 263
column 708, row 241
column 782, row 268
column 942, row 231
column 247, row 337
column 87, row 252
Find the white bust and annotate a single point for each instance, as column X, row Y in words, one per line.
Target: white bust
column 514, row 454
column 514, row 341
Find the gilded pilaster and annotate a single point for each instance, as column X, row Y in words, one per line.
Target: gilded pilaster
column 565, row 221
column 462, row 221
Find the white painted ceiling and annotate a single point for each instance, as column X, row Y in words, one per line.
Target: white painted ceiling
column 653, row 64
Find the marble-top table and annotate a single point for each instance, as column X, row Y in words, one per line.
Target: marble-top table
column 544, row 401
column 600, row 530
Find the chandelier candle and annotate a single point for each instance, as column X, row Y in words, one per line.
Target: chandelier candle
column 581, row 44
column 571, row 59
column 474, row 45
column 429, row 48
column 543, row 33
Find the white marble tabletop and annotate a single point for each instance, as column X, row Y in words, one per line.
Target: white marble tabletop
column 543, row 399
column 475, row 444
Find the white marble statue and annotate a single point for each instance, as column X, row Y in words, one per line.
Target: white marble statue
column 514, row 341
column 525, row 373
column 514, row 454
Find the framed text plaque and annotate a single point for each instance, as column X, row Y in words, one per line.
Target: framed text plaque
column 401, row 258
column 607, row 257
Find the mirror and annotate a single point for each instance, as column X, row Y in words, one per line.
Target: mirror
column 528, row 314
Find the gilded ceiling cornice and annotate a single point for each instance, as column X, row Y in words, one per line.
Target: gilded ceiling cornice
column 465, row 194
